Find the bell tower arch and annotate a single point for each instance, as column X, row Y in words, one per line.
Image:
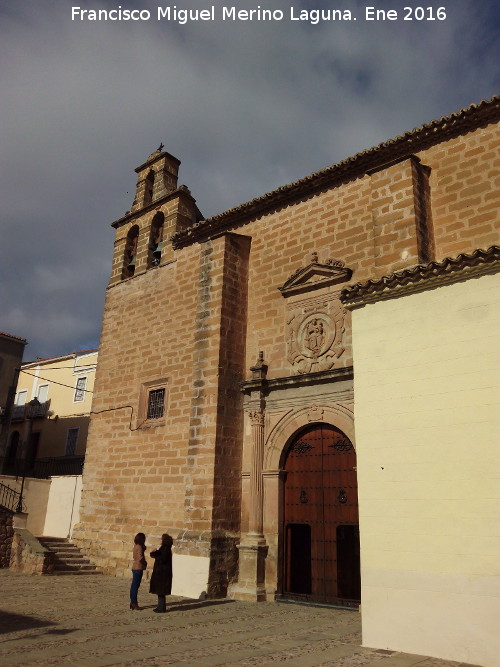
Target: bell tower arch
column 160, row 208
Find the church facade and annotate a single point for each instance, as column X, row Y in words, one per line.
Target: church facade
column 225, row 393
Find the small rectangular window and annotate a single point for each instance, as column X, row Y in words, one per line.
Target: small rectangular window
column 43, row 393
column 20, row 405
column 21, row 397
column 71, row 440
column 156, row 403
column 153, row 403
column 81, row 384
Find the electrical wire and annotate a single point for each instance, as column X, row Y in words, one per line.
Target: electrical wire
column 57, row 368
column 92, row 412
column 120, row 407
column 88, row 391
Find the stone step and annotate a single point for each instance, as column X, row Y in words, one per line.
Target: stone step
column 67, row 557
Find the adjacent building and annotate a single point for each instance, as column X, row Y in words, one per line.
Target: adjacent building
column 427, row 397
column 236, row 351
column 11, row 355
column 49, row 438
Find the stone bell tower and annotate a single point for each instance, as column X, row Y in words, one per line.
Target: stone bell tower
column 156, row 178
column 160, row 208
column 164, row 447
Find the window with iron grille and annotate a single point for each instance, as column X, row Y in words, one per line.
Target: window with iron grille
column 81, row 384
column 156, row 403
column 71, row 439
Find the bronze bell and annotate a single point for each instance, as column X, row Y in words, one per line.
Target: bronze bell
column 156, row 254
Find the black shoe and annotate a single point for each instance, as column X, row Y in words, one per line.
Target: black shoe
column 159, row 611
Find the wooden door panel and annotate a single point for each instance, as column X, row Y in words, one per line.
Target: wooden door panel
column 321, row 516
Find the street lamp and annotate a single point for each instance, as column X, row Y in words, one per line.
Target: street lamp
column 32, row 411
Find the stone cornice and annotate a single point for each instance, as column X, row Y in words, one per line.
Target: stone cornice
column 423, row 277
column 267, row 386
column 404, row 146
column 182, row 190
column 154, row 157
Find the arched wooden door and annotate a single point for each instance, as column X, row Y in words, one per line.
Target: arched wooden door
column 320, row 528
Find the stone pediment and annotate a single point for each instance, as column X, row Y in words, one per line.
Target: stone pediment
column 315, row 276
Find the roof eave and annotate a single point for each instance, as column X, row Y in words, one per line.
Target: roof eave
column 389, row 152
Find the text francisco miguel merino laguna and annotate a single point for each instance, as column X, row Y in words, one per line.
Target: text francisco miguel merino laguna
column 232, row 13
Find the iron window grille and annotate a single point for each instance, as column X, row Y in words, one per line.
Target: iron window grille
column 71, row 440
column 81, row 385
column 156, row 403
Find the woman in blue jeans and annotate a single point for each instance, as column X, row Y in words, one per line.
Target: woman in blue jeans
column 138, row 566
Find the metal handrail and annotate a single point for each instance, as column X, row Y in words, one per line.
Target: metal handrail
column 9, row 498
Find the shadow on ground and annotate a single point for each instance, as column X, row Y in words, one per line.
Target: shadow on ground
column 12, row 622
column 188, row 605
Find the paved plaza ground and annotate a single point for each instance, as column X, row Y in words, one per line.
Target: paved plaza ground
column 85, row 620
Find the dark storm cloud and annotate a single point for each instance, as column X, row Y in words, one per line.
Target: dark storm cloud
column 247, row 107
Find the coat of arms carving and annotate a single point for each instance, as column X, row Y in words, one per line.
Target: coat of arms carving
column 314, row 334
column 315, row 326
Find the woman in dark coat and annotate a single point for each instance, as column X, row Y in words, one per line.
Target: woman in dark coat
column 161, row 579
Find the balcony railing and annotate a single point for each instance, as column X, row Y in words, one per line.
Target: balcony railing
column 18, row 413
column 22, row 412
column 59, row 466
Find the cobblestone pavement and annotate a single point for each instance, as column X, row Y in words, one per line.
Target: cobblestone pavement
column 85, row 620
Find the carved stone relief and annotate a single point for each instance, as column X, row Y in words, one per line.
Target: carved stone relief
column 314, row 334
column 315, row 414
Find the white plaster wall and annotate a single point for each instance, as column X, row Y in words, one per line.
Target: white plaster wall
column 53, row 505
column 427, row 415
column 190, row 575
column 35, row 497
column 63, row 507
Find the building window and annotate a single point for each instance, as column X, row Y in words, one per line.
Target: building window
column 71, row 440
column 11, row 458
column 156, row 403
column 21, row 397
column 20, row 405
column 153, row 403
column 32, row 451
column 81, row 385
column 43, row 393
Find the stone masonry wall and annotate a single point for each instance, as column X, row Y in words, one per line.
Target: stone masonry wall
column 371, row 224
column 134, row 476
column 28, row 556
column 196, row 325
column 6, row 533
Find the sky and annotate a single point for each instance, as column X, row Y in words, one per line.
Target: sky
column 246, row 105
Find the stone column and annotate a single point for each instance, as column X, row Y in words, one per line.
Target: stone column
column 257, row 418
column 253, row 548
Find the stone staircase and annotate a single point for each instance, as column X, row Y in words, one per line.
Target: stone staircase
column 67, row 557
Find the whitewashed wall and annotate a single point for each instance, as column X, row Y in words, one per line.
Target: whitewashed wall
column 35, row 497
column 63, row 508
column 427, row 412
column 53, row 505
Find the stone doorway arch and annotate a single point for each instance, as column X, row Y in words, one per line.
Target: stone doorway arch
column 290, row 424
column 318, row 541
